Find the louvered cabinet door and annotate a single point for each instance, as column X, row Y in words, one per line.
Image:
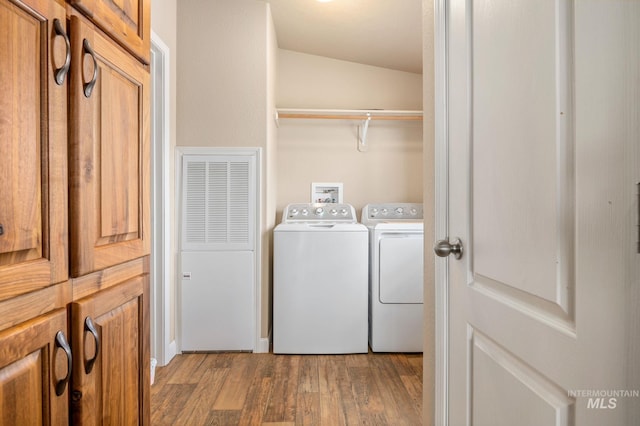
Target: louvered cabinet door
column 109, row 153
column 33, row 146
column 218, row 260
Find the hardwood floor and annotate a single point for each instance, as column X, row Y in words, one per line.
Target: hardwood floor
column 267, row 389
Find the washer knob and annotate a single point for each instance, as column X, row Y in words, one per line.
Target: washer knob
column 319, row 211
column 385, row 211
column 399, row 210
column 304, row 212
column 343, row 212
column 294, row 212
column 334, row 212
column 413, row 211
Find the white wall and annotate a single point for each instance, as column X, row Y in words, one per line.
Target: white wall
column 163, row 23
column 311, row 150
column 428, row 359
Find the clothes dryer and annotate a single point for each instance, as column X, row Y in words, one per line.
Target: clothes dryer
column 396, row 277
column 320, row 281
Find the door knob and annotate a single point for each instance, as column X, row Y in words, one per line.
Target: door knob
column 444, row 248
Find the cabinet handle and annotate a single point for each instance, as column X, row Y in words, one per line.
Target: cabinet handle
column 61, row 72
column 61, row 342
column 88, row 87
column 91, row 328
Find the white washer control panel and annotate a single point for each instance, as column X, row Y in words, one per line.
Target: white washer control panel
column 315, row 212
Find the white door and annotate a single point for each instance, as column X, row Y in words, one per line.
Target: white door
column 218, row 250
column 542, row 119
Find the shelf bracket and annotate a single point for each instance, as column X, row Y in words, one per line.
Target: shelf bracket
column 362, row 134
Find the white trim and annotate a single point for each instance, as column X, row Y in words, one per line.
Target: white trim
column 263, row 343
column 257, row 291
column 441, row 213
column 161, row 264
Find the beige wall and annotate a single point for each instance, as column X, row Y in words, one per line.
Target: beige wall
column 311, row 150
column 222, row 86
column 226, row 78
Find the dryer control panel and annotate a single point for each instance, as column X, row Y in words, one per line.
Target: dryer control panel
column 391, row 211
column 319, row 212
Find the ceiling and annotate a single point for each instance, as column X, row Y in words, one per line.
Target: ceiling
column 383, row 33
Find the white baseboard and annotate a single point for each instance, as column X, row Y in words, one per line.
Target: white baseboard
column 263, row 344
column 171, row 352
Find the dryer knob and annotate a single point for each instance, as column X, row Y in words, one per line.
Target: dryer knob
column 304, row 212
column 399, row 210
column 334, row 212
column 343, row 212
column 319, row 211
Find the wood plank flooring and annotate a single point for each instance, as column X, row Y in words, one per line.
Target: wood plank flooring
column 267, row 389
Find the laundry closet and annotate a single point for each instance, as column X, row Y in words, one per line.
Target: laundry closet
column 236, row 97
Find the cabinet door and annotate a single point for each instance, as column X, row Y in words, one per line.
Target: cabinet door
column 109, row 153
column 34, row 372
column 110, row 332
column 127, row 21
column 33, row 146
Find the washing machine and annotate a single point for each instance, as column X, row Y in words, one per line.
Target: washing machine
column 320, row 281
column 396, row 277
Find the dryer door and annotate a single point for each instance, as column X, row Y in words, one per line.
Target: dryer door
column 401, row 268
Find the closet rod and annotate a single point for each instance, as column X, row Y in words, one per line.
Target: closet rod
column 376, row 116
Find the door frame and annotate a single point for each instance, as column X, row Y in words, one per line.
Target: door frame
column 441, row 212
column 162, row 348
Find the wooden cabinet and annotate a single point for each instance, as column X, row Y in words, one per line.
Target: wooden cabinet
column 74, row 212
column 33, row 147
column 110, row 341
column 34, row 372
column 109, row 153
column 127, row 21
